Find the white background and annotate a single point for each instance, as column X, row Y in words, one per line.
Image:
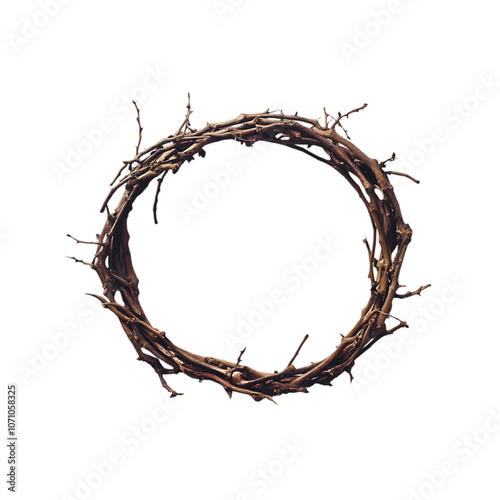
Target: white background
column 422, row 401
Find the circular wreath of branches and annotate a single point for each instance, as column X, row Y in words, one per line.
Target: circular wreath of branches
column 367, row 176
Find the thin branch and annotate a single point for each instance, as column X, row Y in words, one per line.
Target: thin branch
column 326, row 117
column 158, row 188
column 120, row 279
column 113, row 260
column 403, row 324
column 346, row 115
column 140, row 127
column 185, row 124
column 411, row 294
column 85, row 242
column 371, row 260
column 290, row 364
column 402, row 174
column 81, row 261
column 345, row 131
column 389, row 316
column 238, row 361
column 392, row 158
column 159, row 369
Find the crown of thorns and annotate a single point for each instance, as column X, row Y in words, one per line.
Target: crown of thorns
column 386, row 250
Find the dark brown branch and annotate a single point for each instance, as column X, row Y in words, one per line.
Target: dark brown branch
column 78, row 261
column 411, row 294
column 158, row 188
column 402, row 174
column 159, row 369
column 140, row 128
column 238, row 361
column 84, row 242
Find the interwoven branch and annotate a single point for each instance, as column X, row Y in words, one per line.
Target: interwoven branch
column 391, row 236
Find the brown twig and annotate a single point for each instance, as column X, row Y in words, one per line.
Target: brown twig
column 290, row 364
column 185, row 124
column 84, row 242
column 238, row 361
column 346, row 115
column 158, row 188
column 402, row 174
column 140, row 127
column 79, row 261
column 411, row 294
